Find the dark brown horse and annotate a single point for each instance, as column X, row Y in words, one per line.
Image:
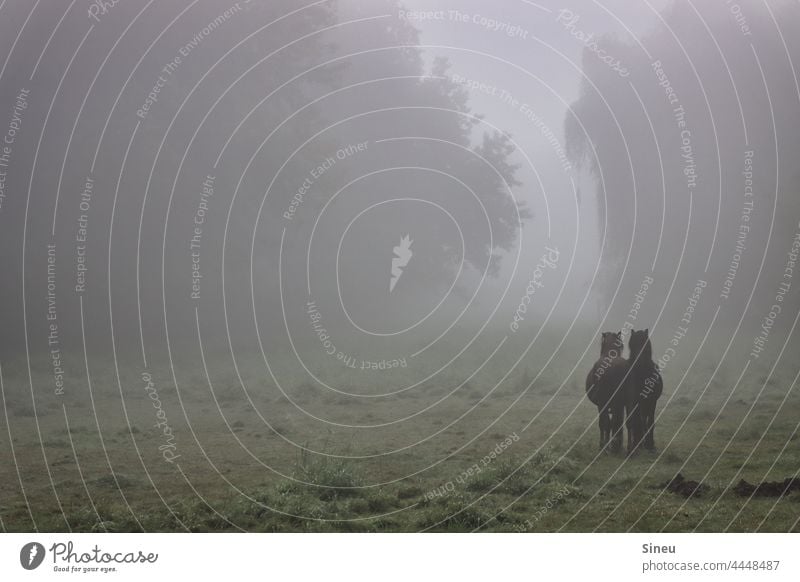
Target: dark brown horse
column 646, row 381
column 607, row 388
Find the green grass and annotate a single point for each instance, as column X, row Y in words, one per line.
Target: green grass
column 381, row 480
column 500, row 498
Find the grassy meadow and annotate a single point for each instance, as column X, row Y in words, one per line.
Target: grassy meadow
column 458, row 454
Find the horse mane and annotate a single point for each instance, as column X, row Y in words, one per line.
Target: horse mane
column 647, row 351
column 642, row 353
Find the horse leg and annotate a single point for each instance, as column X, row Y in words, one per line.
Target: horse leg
column 600, row 425
column 651, row 425
column 649, row 440
column 631, row 435
column 603, row 421
column 633, row 422
column 633, row 432
column 617, row 414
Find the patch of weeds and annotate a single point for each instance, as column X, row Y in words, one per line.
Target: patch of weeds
column 84, row 519
column 550, row 460
column 333, row 477
column 380, row 502
column 105, row 526
column 359, row 506
column 108, row 518
column 560, row 491
column 454, row 512
column 409, row 492
column 483, row 481
column 514, row 477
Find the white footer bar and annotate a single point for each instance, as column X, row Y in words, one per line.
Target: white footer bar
column 389, row 557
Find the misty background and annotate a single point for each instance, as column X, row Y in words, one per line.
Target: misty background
column 242, row 219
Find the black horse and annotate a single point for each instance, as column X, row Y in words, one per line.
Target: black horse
column 608, row 388
column 646, row 380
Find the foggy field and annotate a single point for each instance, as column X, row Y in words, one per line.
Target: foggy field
column 550, row 478
column 399, row 266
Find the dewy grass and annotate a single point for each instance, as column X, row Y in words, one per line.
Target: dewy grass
column 332, row 476
column 313, row 492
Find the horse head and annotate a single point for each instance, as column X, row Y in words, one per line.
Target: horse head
column 611, row 341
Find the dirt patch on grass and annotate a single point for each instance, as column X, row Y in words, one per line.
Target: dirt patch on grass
column 767, row 488
column 682, row 486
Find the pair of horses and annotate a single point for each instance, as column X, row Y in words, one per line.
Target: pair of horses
column 625, row 391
